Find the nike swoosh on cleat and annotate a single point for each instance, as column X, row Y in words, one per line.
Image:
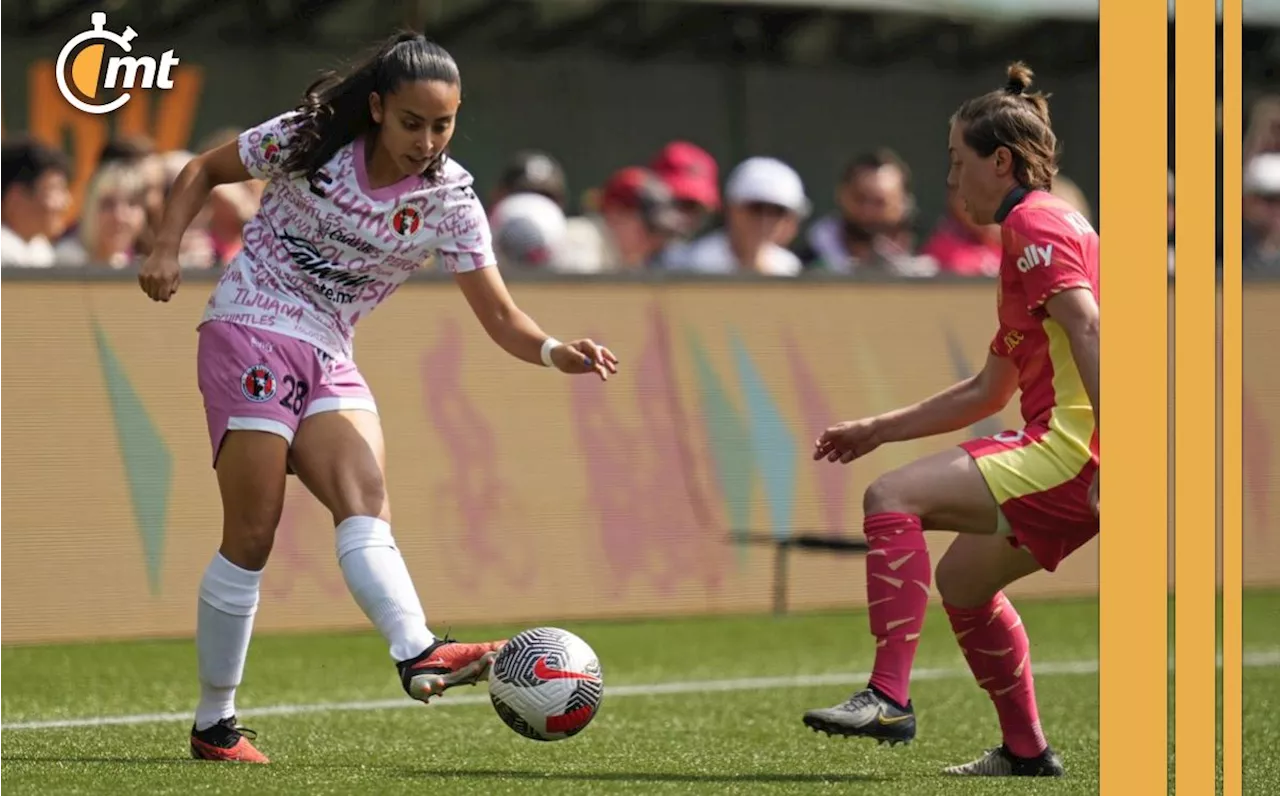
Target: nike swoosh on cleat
column 888, row 720
column 544, row 672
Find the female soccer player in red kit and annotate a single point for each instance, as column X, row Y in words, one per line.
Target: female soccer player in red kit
column 1021, row 500
column 360, row 193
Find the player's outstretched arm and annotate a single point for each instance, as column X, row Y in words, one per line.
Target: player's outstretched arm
column 1076, row 311
column 160, row 275
column 960, row 405
column 518, row 334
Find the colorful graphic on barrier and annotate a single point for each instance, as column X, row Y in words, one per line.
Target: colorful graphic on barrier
column 642, row 474
column 147, row 463
column 1258, row 443
column 482, row 498
column 819, row 413
column 516, row 493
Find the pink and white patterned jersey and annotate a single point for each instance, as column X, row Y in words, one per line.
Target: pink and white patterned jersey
column 319, row 255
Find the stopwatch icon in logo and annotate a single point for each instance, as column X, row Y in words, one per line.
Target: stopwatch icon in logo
column 91, row 71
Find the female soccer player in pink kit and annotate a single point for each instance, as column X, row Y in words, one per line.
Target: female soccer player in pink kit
column 360, row 193
column 1021, row 500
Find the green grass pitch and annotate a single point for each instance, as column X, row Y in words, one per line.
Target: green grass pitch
column 728, row 721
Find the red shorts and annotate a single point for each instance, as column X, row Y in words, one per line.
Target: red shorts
column 1040, row 476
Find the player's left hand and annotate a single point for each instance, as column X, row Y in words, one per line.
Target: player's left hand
column 1093, row 494
column 584, row 356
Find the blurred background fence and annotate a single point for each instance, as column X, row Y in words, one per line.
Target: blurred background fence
column 599, row 84
column 548, row 497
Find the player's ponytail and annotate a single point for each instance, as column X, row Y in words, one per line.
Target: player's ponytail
column 335, row 108
column 1020, row 76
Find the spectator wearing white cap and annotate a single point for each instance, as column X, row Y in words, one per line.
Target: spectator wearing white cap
column 1262, row 213
column 528, row 230
column 764, row 205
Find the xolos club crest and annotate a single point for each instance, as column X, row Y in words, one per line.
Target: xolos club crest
column 258, row 383
column 405, row 221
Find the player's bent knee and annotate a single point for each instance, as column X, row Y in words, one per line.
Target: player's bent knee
column 247, row 544
column 249, row 531
column 885, row 494
column 364, row 495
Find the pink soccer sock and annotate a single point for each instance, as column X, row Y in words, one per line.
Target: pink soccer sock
column 995, row 645
column 898, row 579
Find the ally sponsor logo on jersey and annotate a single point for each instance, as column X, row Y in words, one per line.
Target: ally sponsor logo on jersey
column 1034, row 256
column 85, row 71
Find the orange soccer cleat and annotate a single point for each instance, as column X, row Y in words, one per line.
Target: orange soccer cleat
column 445, row 664
column 226, row 742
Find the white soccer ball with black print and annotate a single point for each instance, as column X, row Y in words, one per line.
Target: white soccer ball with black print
column 546, row 684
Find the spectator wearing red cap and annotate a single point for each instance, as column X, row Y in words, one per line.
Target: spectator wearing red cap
column 765, row 202
column 635, row 224
column 694, row 179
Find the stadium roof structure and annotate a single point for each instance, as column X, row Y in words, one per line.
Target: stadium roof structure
column 819, row 32
column 826, row 33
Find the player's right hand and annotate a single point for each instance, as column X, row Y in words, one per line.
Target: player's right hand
column 846, row 441
column 160, row 276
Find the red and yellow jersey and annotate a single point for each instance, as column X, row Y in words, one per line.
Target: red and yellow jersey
column 1048, row 247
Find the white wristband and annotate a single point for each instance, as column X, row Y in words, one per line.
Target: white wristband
column 547, row 345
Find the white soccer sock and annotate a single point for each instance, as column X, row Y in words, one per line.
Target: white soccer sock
column 224, row 622
column 377, row 577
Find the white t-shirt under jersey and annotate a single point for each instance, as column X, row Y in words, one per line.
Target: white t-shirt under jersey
column 712, row 254
column 318, row 256
column 17, row 252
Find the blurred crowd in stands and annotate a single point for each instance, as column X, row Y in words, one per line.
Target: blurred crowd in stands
column 1261, row 178
column 681, row 211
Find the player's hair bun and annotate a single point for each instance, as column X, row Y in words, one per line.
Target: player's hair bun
column 1019, row 79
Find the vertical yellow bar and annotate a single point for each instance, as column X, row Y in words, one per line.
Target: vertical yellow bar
column 1133, row 566
column 1232, row 397
column 1195, row 382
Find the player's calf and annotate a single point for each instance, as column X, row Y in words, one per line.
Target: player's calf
column 995, row 645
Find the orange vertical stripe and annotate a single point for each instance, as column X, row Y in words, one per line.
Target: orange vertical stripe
column 1232, row 399
column 1133, row 545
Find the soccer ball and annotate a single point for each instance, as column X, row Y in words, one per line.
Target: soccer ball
column 546, row 684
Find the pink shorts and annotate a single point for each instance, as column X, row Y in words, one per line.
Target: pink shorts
column 255, row 380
